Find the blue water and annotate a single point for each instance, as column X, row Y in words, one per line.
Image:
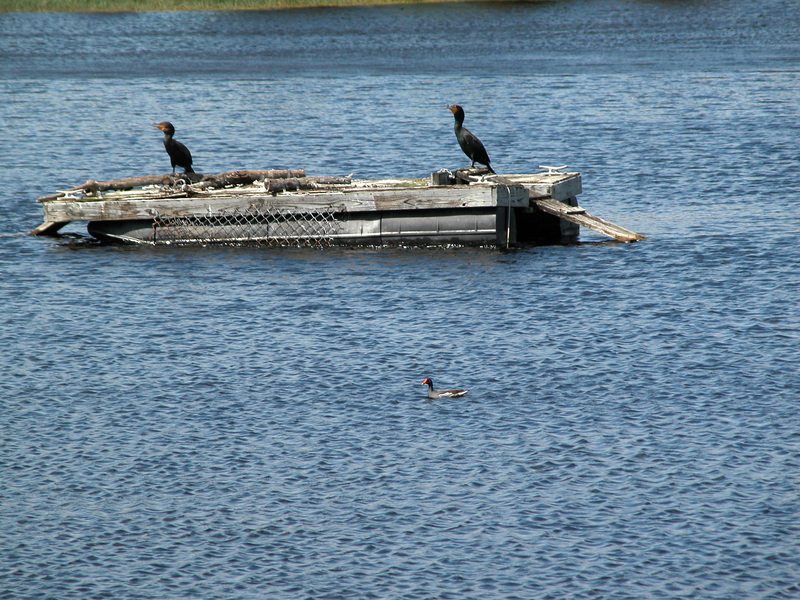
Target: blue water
column 250, row 423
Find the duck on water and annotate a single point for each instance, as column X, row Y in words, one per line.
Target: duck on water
column 433, row 394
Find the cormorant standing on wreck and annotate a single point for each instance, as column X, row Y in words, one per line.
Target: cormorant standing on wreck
column 179, row 154
column 471, row 145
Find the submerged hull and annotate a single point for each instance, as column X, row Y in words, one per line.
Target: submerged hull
column 473, row 227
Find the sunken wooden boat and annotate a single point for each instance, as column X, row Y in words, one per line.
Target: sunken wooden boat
column 469, row 207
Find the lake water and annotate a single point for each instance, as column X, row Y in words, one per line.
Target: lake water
column 250, row 423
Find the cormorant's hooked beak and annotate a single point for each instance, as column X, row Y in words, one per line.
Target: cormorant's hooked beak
column 157, row 126
column 452, row 108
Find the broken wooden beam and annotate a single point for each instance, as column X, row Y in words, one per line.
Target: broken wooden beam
column 49, row 228
column 245, row 177
column 93, row 187
column 577, row 215
column 293, row 184
column 220, row 180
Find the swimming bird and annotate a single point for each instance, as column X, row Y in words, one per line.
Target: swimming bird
column 433, row 394
column 179, row 154
column 471, row 145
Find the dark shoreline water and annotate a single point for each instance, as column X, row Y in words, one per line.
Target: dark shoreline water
column 480, row 39
column 220, row 422
column 140, row 6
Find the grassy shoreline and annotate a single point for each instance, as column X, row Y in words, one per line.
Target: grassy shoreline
column 93, row 6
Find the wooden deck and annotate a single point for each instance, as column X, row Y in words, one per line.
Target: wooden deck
column 469, row 207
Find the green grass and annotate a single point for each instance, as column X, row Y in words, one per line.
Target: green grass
column 169, row 5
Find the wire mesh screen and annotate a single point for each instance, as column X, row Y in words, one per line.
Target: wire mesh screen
column 262, row 226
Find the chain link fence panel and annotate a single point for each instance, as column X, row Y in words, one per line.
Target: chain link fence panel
column 260, row 226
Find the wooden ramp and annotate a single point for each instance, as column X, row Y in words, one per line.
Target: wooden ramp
column 579, row 216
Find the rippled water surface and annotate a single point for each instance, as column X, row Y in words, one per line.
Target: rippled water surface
column 249, row 423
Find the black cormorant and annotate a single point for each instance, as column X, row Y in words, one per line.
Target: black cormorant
column 179, row 154
column 471, row 145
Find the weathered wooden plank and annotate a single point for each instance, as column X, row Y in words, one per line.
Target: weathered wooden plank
column 511, row 195
column 576, row 214
column 559, row 186
column 49, row 228
column 220, row 202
